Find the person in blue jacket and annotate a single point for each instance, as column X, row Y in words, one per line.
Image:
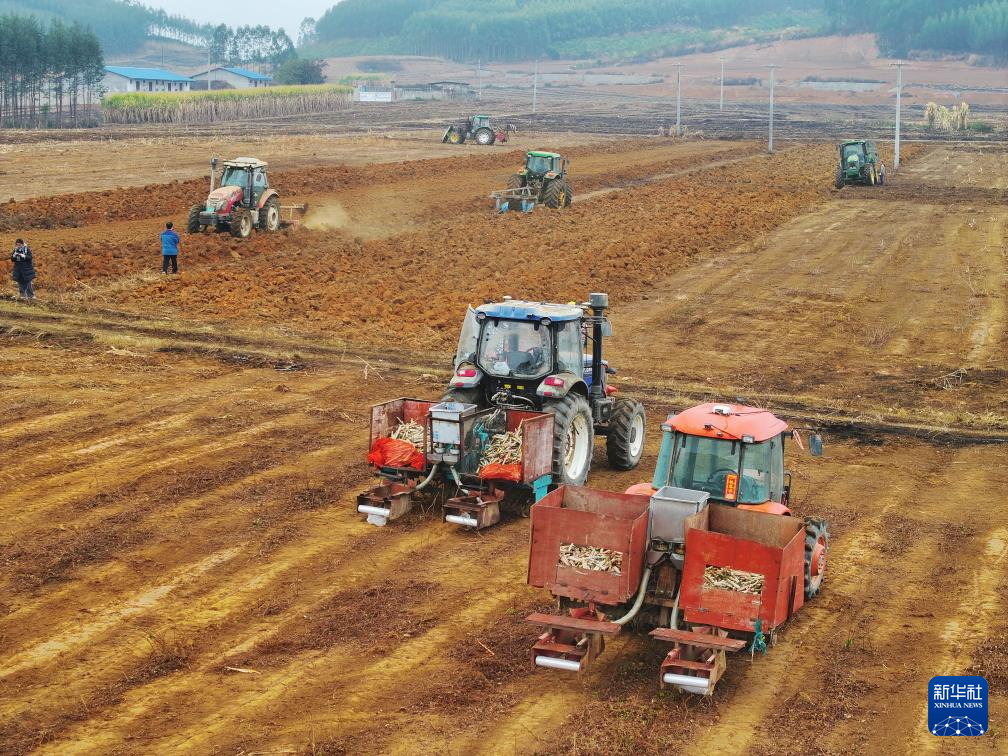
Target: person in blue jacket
column 169, row 248
column 23, row 272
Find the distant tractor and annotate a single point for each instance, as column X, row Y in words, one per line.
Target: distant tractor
column 242, row 201
column 859, row 164
column 477, row 128
column 542, row 180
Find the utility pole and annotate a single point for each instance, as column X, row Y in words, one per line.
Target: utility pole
column 772, row 66
column 678, row 99
column 535, row 86
column 721, row 104
column 899, row 94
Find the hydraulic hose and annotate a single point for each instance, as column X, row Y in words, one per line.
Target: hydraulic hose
column 429, row 478
column 639, row 601
column 458, row 481
column 674, row 621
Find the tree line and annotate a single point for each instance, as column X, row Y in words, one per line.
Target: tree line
column 47, row 72
column 515, row 29
column 905, row 26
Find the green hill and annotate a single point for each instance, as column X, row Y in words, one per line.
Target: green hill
column 523, row 29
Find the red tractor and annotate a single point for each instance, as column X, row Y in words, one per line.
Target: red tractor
column 244, row 200
column 707, row 556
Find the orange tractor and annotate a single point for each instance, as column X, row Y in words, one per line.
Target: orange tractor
column 708, row 556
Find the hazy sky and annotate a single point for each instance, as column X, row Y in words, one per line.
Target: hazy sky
column 270, row 12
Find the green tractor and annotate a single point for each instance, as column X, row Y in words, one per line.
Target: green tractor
column 477, row 128
column 542, row 180
column 859, row 164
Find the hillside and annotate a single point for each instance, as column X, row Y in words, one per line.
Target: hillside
column 464, row 30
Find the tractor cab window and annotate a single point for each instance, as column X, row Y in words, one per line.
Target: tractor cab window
column 234, row 177
column 706, row 464
column 754, row 485
column 515, row 349
column 468, row 339
column 259, row 179
column 570, row 354
column 853, row 149
column 539, row 164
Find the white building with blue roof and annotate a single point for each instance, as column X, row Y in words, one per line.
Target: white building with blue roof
column 131, row 79
column 238, row 78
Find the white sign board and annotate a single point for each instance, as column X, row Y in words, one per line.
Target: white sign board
column 375, row 96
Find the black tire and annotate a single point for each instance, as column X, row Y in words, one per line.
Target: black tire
column 269, row 216
column 465, row 396
column 554, row 195
column 627, row 431
column 569, row 194
column 816, row 534
column 516, row 181
column 194, row 226
column 572, row 421
column 839, row 182
column 241, row 223
column 485, row 136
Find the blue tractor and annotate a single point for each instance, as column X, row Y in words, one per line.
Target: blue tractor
column 534, row 355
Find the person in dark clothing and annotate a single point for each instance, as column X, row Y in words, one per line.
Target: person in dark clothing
column 24, row 269
column 169, row 248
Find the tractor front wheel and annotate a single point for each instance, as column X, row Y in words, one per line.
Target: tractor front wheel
column 269, row 216
column 817, row 541
column 625, row 441
column 555, row 194
column 194, row 226
column 573, row 439
column 241, row 223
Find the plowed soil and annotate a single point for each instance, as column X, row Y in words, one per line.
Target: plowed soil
column 181, row 565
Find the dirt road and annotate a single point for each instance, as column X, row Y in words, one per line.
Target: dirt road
column 181, row 566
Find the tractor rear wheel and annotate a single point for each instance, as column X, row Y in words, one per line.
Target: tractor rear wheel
column 241, row 223
column 485, row 136
column 516, row 181
column 625, row 441
column 569, row 194
column 194, row 226
column 555, row 194
column 269, row 216
column 839, row 183
column 573, row 439
column 817, row 540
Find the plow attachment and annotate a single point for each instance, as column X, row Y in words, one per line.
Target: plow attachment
column 523, row 199
column 294, row 214
column 474, row 511
column 697, row 659
column 388, row 501
column 570, row 643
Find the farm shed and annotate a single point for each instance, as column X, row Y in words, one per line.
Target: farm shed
column 131, row 79
column 239, row 78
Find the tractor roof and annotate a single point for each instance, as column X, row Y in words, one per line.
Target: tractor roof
column 734, row 421
column 519, row 310
column 853, row 141
column 244, row 162
column 536, row 153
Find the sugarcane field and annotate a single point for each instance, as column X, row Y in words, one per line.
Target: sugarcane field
column 613, row 421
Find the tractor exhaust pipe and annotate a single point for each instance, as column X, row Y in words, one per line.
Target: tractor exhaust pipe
column 213, row 172
column 598, row 303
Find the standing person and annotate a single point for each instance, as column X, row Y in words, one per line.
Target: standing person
column 169, row 248
column 24, row 269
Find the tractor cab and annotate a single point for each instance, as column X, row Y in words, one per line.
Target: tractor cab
column 479, row 121
column 544, row 165
column 548, row 357
column 732, row 452
column 247, row 174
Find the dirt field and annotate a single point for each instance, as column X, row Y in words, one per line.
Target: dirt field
column 182, row 454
